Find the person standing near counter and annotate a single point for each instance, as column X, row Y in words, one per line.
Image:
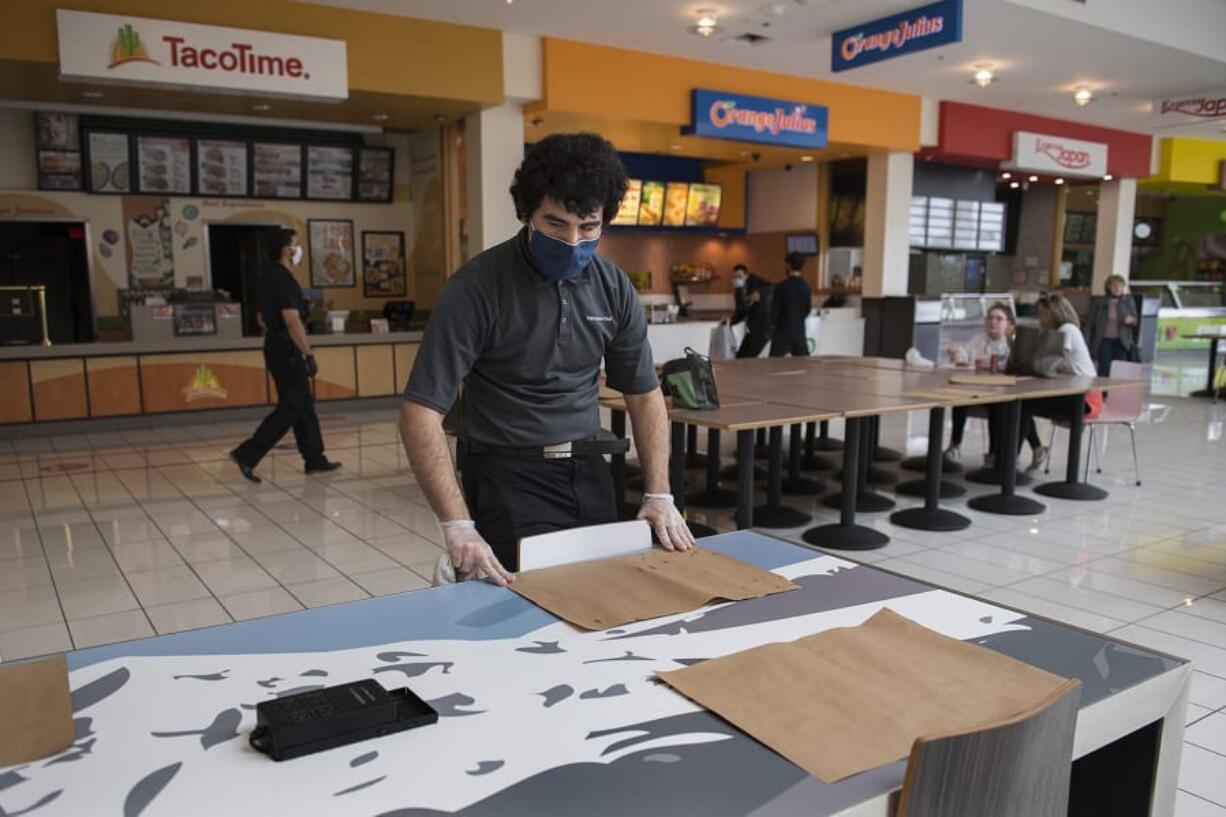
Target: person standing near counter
column 524, row 326
column 753, row 300
column 1111, row 330
column 793, row 301
column 288, row 357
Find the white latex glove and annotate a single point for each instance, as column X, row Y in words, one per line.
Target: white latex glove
column 667, row 522
column 471, row 554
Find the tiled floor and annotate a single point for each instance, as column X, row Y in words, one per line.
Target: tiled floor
column 118, row 535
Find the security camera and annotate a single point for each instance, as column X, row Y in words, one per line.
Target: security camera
column 755, row 156
column 788, row 167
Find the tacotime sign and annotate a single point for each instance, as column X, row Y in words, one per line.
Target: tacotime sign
column 925, row 27
column 1057, row 155
column 111, row 48
column 721, row 115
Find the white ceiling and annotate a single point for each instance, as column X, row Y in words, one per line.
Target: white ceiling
column 1041, row 49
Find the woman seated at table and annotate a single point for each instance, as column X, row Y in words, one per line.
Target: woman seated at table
column 1057, row 314
column 999, row 328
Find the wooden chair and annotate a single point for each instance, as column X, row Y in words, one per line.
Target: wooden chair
column 1017, row 769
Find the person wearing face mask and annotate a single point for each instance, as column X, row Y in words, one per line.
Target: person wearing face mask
column 753, row 303
column 288, row 357
column 524, row 326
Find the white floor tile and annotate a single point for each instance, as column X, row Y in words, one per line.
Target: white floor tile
column 187, row 615
column 135, row 557
column 1084, row 598
column 30, row 642
column 29, row 606
column 95, row 597
column 167, row 585
column 1203, row 773
column 208, row 548
column 259, row 603
column 229, row 576
column 110, row 628
column 327, row 591
column 266, row 540
column 296, row 566
column 393, row 580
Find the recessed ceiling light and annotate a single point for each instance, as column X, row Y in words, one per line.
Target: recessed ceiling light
column 261, row 107
column 744, row 153
column 1014, row 185
column 92, row 94
column 536, row 122
column 1006, row 175
column 674, row 147
column 983, row 76
column 381, row 117
column 1108, row 177
column 806, row 158
column 706, row 24
column 1083, row 96
column 1033, row 179
column 1059, row 181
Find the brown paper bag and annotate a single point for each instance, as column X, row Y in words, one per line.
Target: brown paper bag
column 851, row 699
column 604, row 593
column 35, row 710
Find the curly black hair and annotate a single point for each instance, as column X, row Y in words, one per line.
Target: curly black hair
column 580, row 170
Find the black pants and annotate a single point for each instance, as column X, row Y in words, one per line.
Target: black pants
column 1110, row 349
column 295, row 407
column 512, row 497
column 788, row 342
column 1053, row 408
column 752, row 344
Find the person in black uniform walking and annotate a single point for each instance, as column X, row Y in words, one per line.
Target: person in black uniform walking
column 524, row 326
column 793, row 301
column 753, row 305
column 287, row 355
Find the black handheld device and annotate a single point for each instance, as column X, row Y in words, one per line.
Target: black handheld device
column 308, row 722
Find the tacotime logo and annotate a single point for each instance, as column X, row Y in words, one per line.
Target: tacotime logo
column 1205, row 107
column 1065, row 157
column 128, row 48
column 854, row 45
column 724, row 112
column 204, row 384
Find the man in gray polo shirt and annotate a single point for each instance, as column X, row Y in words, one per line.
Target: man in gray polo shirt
column 524, row 326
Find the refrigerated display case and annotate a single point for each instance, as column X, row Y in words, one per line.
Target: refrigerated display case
column 1188, row 307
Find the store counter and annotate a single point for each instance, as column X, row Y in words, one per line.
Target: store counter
column 91, row 380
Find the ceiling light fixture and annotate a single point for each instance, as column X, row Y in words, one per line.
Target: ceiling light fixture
column 1006, row 175
column 1108, row 177
column 381, row 117
column 1059, row 181
column 983, row 76
column 1083, row 95
column 806, row 158
column 92, row 94
column 707, row 24
column 674, row 147
column 1033, row 179
column 1014, row 185
column 261, row 107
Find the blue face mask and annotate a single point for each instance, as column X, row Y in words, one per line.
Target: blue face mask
column 559, row 260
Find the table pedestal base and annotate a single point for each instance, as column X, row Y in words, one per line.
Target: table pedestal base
column 919, row 487
column 779, row 516
column 845, row 537
column 935, row 520
column 1012, row 505
column 1071, row 490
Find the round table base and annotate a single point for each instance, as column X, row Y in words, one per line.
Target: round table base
column 845, row 537
column 935, row 520
column 1009, row 505
column 866, row 502
column 1071, row 490
column 779, row 516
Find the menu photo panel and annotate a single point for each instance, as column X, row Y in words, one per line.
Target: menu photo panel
column 221, row 167
column 329, row 173
column 702, row 206
column 651, row 206
column 164, row 164
column 276, row 170
column 628, row 212
column 676, row 197
column 108, row 162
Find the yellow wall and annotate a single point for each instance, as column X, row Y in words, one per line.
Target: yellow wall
column 388, row 54
column 637, row 86
column 1190, row 161
column 732, row 199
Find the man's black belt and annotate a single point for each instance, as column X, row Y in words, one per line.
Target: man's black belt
column 578, row 448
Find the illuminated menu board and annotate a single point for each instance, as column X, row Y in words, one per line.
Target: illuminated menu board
column 651, row 209
column 966, row 225
column 992, row 226
column 702, row 208
column 676, row 197
column 918, row 221
column 963, row 224
column 628, row 213
column 940, row 222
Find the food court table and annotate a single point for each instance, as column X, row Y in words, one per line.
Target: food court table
column 1214, row 338
column 540, row 718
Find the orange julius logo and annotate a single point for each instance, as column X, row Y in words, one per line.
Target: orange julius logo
column 128, row 48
